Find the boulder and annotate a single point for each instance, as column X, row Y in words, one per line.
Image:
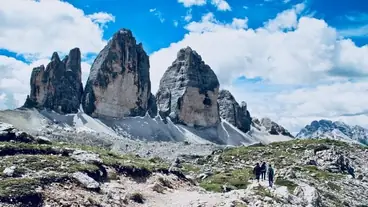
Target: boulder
column 188, row 91
column 85, row 180
column 232, row 112
column 119, row 82
column 59, row 86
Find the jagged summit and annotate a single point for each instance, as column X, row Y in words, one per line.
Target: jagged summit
column 272, row 127
column 59, row 86
column 188, row 91
column 231, row 111
column 334, row 130
column 117, row 98
column 118, row 85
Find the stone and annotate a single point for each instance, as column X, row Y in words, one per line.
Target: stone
column 86, row 181
column 9, row 171
column 43, row 140
column 231, row 111
column 86, row 157
column 188, row 92
column 59, row 86
column 159, row 188
column 119, row 82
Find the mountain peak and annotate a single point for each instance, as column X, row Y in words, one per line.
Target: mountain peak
column 334, row 130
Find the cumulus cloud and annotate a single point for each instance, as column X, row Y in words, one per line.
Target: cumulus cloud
column 43, row 27
column 37, row 28
column 221, row 5
column 290, row 49
column 101, row 18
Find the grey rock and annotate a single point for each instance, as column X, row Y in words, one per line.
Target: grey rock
column 59, row 86
column 152, row 106
column 119, row 82
column 43, row 140
column 272, row 127
column 86, row 181
column 231, row 111
column 334, row 130
column 188, row 91
column 86, row 157
column 9, row 171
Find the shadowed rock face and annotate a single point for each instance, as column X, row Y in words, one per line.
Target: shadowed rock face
column 118, row 85
column 58, row 86
column 232, row 112
column 188, row 91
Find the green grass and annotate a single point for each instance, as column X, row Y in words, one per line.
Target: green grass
column 262, row 191
column 236, row 178
column 320, row 174
column 333, row 186
column 190, row 168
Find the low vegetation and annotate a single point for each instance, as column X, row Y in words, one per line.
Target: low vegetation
column 235, row 179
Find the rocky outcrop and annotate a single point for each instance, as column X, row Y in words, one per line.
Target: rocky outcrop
column 119, row 82
column 270, row 126
column 59, row 86
column 231, row 111
column 152, row 106
column 188, row 91
column 334, row 130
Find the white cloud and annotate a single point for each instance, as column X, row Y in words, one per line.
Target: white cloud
column 102, row 18
column 285, row 20
column 188, row 16
column 37, row 28
column 290, row 50
column 158, row 14
column 221, row 5
column 189, row 3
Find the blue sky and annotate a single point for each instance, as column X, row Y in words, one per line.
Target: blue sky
column 155, row 34
column 291, row 60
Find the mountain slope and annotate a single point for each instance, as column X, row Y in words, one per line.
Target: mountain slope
column 334, row 130
column 144, row 128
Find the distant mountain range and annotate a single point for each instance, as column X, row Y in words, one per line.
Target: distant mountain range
column 334, row 130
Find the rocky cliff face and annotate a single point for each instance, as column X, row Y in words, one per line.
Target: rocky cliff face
column 58, row 86
column 334, row 130
column 119, row 83
column 188, row 91
column 231, row 111
column 272, row 127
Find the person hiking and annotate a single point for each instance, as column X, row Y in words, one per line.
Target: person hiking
column 263, row 171
column 271, row 174
column 257, row 171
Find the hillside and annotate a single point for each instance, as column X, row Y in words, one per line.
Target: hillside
column 38, row 172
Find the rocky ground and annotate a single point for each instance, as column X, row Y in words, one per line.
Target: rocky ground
column 35, row 171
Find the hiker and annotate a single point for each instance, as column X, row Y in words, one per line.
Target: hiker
column 257, row 171
column 263, row 171
column 271, row 174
